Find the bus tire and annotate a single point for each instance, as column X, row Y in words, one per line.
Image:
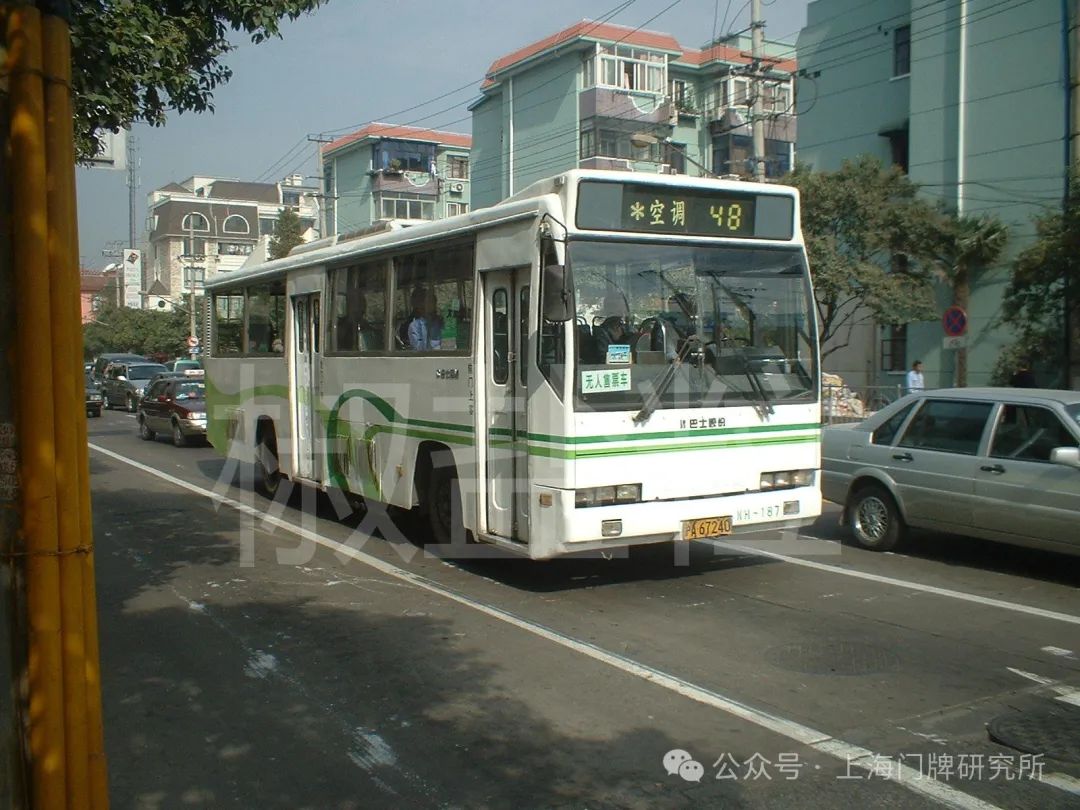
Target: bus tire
column 443, row 506
column 267, row 474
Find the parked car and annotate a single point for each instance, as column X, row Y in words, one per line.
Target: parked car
column 184, row 364
column 1000, row 464
column 101, row 362
column 93, row 397
column 174, row 403
column 125, row 382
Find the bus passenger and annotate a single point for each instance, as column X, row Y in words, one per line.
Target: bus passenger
column 418, row 326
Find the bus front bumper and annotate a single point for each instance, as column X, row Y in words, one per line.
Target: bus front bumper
column 558, row 527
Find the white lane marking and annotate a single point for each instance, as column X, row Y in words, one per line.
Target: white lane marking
column 371, row 750
column 1059, row 652
column 1062, row 781
column 1016, row 607
column 854, row 756
column 1066, row 694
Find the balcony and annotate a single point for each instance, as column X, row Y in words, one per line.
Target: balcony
column 737, row 120
column 607, row 102
column 407, row 181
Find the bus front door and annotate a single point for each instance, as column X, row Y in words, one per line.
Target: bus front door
column 506, row 297
column 305, row 381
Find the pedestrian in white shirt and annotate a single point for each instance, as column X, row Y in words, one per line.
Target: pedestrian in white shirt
column 914, row 381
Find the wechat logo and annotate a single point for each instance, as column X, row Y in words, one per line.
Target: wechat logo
column 677, row 761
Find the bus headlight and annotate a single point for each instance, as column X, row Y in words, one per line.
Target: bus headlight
column 606, row 496
column 787, row 479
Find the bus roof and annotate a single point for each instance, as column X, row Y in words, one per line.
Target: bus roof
column 531, row 201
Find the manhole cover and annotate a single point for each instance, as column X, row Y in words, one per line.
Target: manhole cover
column 1054, row 733
column 832, row 658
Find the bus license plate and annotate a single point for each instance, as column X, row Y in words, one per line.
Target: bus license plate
column 704, row 528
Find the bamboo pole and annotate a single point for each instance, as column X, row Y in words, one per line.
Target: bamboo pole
column 35, row 414
column 68, row 397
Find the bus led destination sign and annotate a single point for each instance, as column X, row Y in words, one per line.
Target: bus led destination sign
column 643, row 208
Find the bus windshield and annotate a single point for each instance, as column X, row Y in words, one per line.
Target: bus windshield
column 690, row 326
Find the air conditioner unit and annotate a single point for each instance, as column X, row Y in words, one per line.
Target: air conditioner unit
column 457, row 188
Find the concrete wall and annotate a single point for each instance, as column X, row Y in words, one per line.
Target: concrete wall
column 351, row 169
column 545, row 119
column 487, row 152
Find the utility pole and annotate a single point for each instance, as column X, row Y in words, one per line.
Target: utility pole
column 757, row 52
column 327, row 194
column 1072, row 305
column 191, row 279
column 133, row 187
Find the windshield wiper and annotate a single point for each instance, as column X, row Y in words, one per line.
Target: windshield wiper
column 758, row 386
column 666, row 380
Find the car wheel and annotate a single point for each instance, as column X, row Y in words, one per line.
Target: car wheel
column 95, row 412
column 874, row 519
column 145, row 433
column 178, row 437
column 267, row 474
column 132, row 404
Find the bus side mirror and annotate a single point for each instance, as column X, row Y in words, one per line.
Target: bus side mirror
column 558, row 298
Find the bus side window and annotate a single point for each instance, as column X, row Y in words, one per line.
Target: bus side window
column 500, row 337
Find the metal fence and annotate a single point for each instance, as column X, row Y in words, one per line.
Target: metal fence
column 844, row 403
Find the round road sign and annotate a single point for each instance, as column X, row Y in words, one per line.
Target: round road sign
column 954, row 321
column 192, row 341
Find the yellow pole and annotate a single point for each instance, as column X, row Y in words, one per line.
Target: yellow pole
column 68, row 397
column 34, row 423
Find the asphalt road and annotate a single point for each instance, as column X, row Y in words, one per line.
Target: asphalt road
column 272, row 655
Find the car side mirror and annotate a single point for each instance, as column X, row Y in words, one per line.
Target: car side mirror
column 121, row 378
column 1066, row 456
column 558, row 294
column 163, row 398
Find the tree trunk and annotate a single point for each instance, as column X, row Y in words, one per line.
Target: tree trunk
column 961, row 298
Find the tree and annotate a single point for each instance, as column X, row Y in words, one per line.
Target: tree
column 134, row 60
column 140, row 331
column 962, row 247
column 864, row 228
column 288, row 233
column 1043, row 288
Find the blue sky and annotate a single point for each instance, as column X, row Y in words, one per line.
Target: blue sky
column 356, row 61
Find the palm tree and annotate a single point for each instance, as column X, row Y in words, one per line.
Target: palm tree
column 964, row 247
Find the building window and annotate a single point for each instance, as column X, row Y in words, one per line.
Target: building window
column 740, row 93
column 898, row 147
column 403, row 156
column 267, row 226
column 682, row 96
column 455, row 208
column 401, row 207
column 194, row 276
column 675, row 157
column 894, row 348
column 599, row 142
column 628, row 68
column 234, row 249
column 777, row 158
column 902, row 50
column 194, row 247
column 290, row 199
column 235, row 223
column 734, row 154
column 458, row 167
column 777, row 99
column 195, row 222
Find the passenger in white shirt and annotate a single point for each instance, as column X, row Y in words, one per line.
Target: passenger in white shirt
column 914, row 380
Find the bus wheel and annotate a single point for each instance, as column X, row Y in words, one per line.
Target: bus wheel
column 444, row 501
column 267, row 475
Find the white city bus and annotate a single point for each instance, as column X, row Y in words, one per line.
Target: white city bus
column 603, row 360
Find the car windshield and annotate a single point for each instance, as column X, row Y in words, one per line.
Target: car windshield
column 681, row 326
column 190, row 391
column 184, row 365
column 144, row 372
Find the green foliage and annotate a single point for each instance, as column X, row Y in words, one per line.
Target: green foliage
column 1044, row 276
column 140, row 331
column 133, row 60
column 865, row 230
column 288, row 233
column 959, row 247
